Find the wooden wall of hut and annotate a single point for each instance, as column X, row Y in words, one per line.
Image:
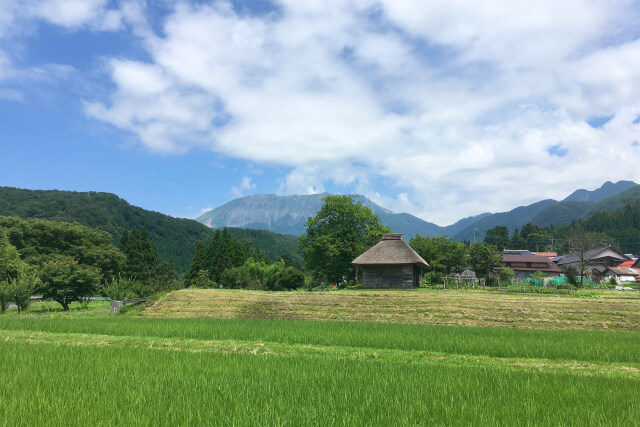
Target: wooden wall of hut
column 389, row 276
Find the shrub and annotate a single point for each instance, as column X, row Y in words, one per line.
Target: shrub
column 506, row 275
column 4, row 297
column 536, row 289
column 119, row 289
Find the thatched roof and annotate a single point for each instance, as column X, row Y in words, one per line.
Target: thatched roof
column 390, row 250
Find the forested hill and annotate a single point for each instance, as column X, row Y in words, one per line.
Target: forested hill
column 175, row 238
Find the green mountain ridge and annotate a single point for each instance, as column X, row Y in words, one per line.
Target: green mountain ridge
column 175, row 238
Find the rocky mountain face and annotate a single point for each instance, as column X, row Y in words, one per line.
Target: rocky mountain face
column 288, row 214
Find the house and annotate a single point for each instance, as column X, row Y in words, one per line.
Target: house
column 524, row 262
column 605, row 256
column 634, row 265
column 549, row 255
column 621, row 275
column 391, row 263
column 596, row 261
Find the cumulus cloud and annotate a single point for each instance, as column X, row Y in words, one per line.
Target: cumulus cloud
column 454, row 105
column 244, row 186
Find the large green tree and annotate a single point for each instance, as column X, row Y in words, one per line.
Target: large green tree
column 483, row 258
column 341, row 230
column 38, row 240
column 64, row 280
column 11, row 265
column 497, row 236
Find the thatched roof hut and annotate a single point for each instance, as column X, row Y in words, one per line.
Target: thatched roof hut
column 391, row 263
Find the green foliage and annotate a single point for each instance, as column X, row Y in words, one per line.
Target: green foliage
column 38, row 240
column 223, row 252
column 64, row 280
column 5, row 297
column 175, row 238
column 144, row 265
column 506, row 275
column 119, row 289
column 340, row 231
column 259, row 275
column 11, row 265
column 537, row 275
column 497, row 236
column 571, row 273
column 202, row 280
column 273, row 246
column 526, row 288
column 197, row 265
column 483, row 258
column 443, row 255
column 19, row 290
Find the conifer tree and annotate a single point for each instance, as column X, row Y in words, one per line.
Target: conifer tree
column 197, row 264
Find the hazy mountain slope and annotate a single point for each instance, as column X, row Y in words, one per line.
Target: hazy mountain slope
column 453, row 229
column 515, row 218
column 607, row 190
column 567, row 211
column 288, row 214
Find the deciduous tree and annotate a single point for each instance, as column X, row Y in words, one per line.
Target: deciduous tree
column 483, row 258
column 64, row 280
column 341, row 230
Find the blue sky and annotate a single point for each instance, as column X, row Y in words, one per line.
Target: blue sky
column 440, row 110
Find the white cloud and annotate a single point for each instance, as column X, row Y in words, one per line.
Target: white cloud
column 245, row 185
column 455, row 104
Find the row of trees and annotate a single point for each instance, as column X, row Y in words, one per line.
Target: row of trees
column 344, row 228
column 446, row 257
column 67, row 262
column 619, row 228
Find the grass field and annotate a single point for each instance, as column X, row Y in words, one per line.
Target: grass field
column 589, row 310
column 141, row 370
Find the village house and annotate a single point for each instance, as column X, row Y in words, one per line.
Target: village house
column 597, row 262
column 626, row 272
column 523, row 262
column 391, row 263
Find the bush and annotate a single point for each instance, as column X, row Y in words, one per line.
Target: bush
column 119, row 289
column 536, row 289
column 506, row 276
column 4, row 297
column 572, row 275
column 432, row 278
column 565, row 285
column 258, row 275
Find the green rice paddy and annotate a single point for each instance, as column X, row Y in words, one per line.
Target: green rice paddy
column 123, row 370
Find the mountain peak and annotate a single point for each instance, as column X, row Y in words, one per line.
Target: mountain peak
column 607, row 189
column 288, row 215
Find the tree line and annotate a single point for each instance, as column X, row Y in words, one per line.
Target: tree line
column 619, row 228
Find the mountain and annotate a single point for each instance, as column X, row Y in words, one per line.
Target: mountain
column 175, row 238
column 515, row 218
column 607, row 190
column 288, row 215
column 551, row 212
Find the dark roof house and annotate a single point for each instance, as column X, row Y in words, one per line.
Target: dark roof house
column 605, row 256
column 526, row 263
column 390, row 263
